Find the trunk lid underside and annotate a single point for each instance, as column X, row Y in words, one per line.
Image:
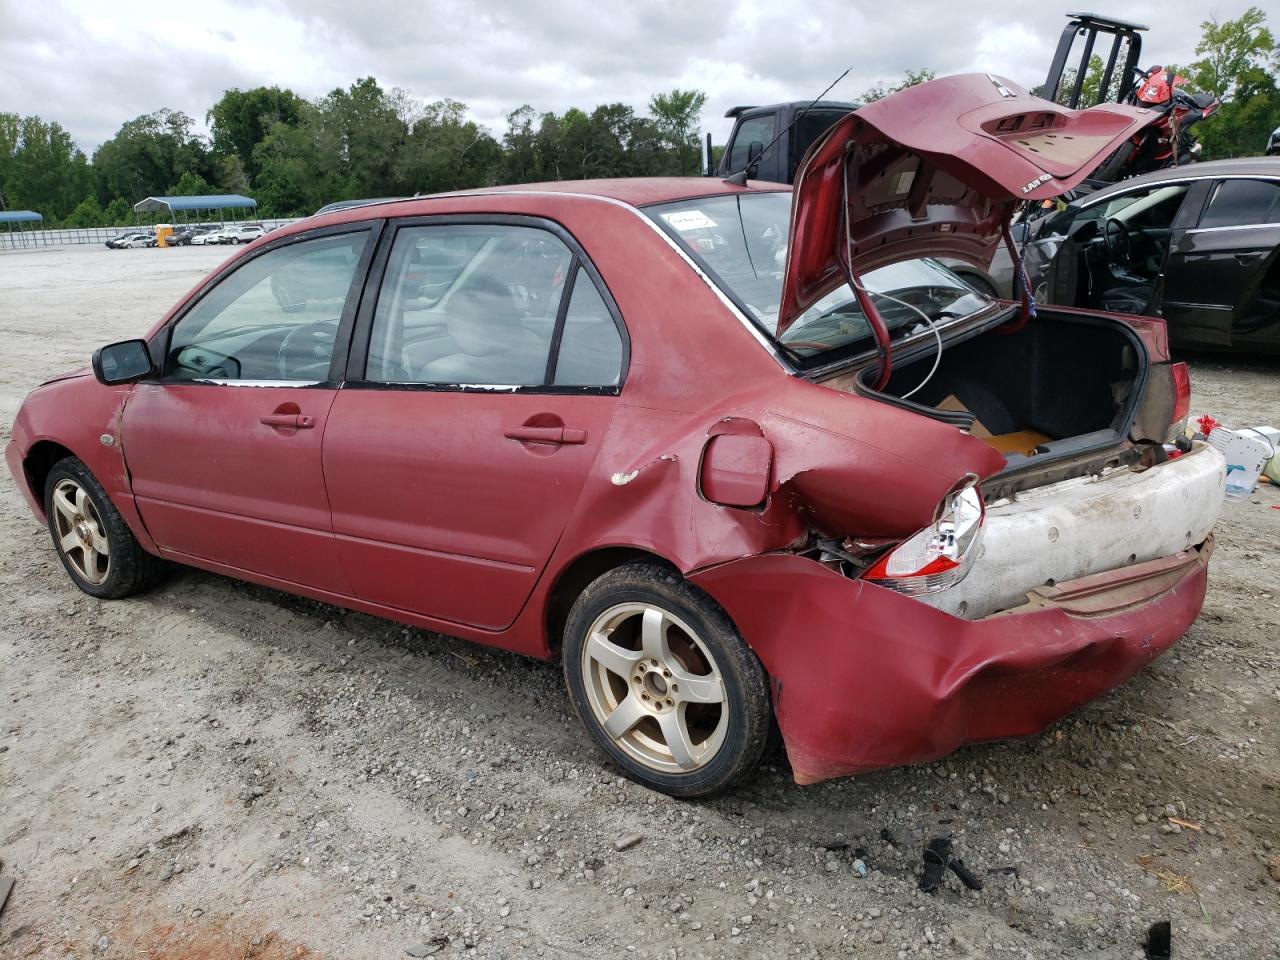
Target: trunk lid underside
column 935, row 171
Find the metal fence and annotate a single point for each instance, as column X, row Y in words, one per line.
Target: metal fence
column 25, row 239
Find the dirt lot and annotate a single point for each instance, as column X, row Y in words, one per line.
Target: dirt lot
column 215, row 770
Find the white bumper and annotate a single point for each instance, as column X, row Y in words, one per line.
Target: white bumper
column 1091, row 525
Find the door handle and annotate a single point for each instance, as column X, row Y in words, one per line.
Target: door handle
column 555, row 435
column 296, row 421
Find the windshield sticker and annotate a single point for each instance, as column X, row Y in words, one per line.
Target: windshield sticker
column 902, row 181
column 689, row 220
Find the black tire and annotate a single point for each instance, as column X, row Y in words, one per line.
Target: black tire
column 745, row 685
column 129, row 569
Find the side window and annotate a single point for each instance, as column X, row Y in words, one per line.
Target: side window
column 809, row 128
column 756, row 130
column 590, row 352
column 468, row 304
column 1238, row 202
column 275, row 318
column 1152, row 209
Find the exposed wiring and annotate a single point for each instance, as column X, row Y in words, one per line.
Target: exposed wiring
column 873, row 316
column 861, row 293
column 933, row 328
column 1028, row 309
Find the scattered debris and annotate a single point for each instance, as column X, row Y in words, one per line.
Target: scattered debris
column 938, row 860
column 1173, row 882
column 1010, row 871
column 627, row 842
column 1159, row 945
column 1188, row 824
column 1273, row 868
column 860, row 868
column 428, row 948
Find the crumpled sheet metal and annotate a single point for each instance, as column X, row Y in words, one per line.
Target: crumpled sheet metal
column 864, row 677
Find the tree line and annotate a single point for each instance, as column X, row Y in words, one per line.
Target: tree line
column 294, row 155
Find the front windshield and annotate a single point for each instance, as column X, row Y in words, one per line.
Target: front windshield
column 742, row 241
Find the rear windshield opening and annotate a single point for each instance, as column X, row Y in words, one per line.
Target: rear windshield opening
column 741, row 241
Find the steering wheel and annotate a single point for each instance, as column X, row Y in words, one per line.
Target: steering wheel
column 1118, row 241
column 306, row 350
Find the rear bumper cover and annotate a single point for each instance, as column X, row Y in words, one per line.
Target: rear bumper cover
column 864, row 677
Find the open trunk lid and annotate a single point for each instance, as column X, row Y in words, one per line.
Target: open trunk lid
column 935, row 171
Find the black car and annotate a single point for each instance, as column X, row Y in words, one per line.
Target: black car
column 181, row 237
column 1198, row 245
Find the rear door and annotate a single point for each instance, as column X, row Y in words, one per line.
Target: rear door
column 1216, row 290
column 223, row 449
column 483, row 378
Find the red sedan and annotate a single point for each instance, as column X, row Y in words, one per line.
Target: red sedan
column 733, row 456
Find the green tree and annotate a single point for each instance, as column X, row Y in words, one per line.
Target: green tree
column 879, row 90
column 1238, row 62
column 519, row 149
column 1232, row 55
column 88, row 213
column 676, row 116
column 118, row 213
column 190, row 185
column 445, row 150
column 147, row 155
column 41, row 168
column 359, row 135
column 292, row 180
column 240, row 120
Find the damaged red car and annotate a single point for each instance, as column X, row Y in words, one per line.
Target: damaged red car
column 734, row 456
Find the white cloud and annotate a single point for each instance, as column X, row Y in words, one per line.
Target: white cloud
column 91, row 67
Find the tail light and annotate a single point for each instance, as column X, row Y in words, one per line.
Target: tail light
column 939, row 556
column 1181, row 395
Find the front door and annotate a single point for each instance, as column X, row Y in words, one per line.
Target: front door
column 224, row 449
column 1116, row 249
column 1214, row 293
column 454, row 459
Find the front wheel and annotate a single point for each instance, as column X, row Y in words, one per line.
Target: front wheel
column 660, row 677
column 94, row 543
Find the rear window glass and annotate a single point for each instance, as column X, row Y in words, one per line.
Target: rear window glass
column 1237, row 203
column 741, row 241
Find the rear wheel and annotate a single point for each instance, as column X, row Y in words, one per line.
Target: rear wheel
column 660, row 677
column 94, row 543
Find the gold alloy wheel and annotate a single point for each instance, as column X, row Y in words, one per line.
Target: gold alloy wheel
column 80, row 534
column 655, row 688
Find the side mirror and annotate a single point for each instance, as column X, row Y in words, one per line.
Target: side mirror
column 125, row 362
column 754, row 151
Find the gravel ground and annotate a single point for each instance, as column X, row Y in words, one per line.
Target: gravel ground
column 214, row 770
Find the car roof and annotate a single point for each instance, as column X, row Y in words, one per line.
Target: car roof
column 633, row 191
column 1239, row 167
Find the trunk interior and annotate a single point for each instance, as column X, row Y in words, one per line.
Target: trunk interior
column 1057, row 387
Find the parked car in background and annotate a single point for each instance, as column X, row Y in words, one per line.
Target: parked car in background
column 185, row 236
column 132, row 239
column 210, row 236
column 1198, row 246
column 726, row 472
column 241, row 233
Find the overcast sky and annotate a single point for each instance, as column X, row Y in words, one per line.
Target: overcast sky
column 93, row 64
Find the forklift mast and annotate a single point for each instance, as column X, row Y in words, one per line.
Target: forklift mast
column 1088, row 26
